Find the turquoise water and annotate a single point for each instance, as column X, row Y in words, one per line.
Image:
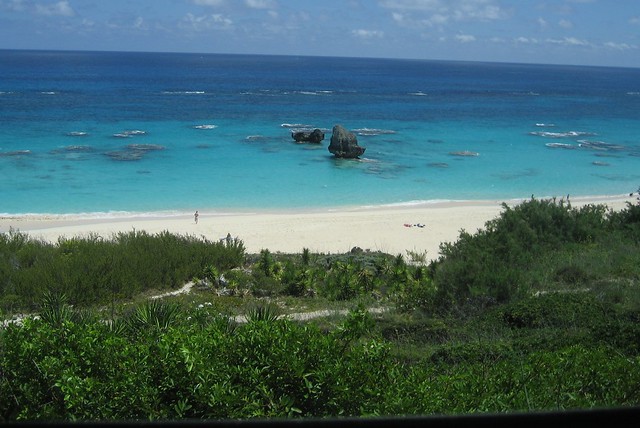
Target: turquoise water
column 215, row 131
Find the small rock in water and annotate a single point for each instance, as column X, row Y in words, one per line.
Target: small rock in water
column 439, row 165
column 315, row 136
column 465, row 153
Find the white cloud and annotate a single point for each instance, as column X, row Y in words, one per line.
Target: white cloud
column 620, row 46
column 300, row 15
column 260, row 4
column 205, row 22
column 208, row 2
column 13, row 5
column 368, row 34
column 476, row 10
column 427, row 5
column 542, row 23
column 398, row 17
column 635, row 20
column 220, row 21
column 526, row 40
column 565, row 24
column 61, row 8
column 569, row 41
column 421, row 14
column 438, row 19
column 465, row 38
column 87, row 23
column 140, row 24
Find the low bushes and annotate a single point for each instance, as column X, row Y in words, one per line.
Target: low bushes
column 93, row 270
column 94, row 371
column 264, row 368
column 510, row 257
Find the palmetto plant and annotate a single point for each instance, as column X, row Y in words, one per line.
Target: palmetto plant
column 345, row 280
column 365, row 279
column 263, row 312
column 399, row 270
column 298, row 280
column 306, row 257
column 211, row 273
column 267, row 264
column 55, row 309
column 153, row 315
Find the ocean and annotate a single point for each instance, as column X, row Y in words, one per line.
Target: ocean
column 107, row 133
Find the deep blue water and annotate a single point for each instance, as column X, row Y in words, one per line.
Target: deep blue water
column 215, row 131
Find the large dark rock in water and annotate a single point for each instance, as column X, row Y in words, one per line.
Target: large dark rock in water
column 344, row 144
column 315, row 136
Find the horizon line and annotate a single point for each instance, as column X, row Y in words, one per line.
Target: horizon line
column 462, row 61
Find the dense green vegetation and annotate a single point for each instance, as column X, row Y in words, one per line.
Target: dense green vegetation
column 94, row 270
column 540, row 310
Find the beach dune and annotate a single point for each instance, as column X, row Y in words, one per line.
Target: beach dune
column 419, row 228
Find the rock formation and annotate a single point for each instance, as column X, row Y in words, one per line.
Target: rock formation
column 465, row 153
column 133, row 152
column 344, row 144
column 315, row 136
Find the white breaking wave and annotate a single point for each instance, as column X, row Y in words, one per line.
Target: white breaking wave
column 129, row 133
column 184, row 92
column 314, row 92
column 562, row 134
column 15, row 153
column 262, row 92
column 295, row 125
column 413, row 203
column 205, row 126
column 373, row 131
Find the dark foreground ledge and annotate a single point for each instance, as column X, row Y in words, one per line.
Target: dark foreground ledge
column 604, row 418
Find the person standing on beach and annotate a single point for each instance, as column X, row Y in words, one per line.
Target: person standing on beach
column 195, row 216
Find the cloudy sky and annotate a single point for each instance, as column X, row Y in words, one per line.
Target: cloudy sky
column 592, row 32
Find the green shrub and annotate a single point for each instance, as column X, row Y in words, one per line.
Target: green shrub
column 72, row 372
column 413, row 328
column 559, row 310
column 92, row 269
column 498, row 260
column 572, row 275
column 622, row 333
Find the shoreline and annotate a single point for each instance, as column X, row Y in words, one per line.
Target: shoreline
column 99, row 216
column 417, row 226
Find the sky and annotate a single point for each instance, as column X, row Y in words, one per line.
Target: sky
column 580, row 32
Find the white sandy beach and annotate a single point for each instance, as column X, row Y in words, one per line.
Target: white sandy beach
column 329, row 231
